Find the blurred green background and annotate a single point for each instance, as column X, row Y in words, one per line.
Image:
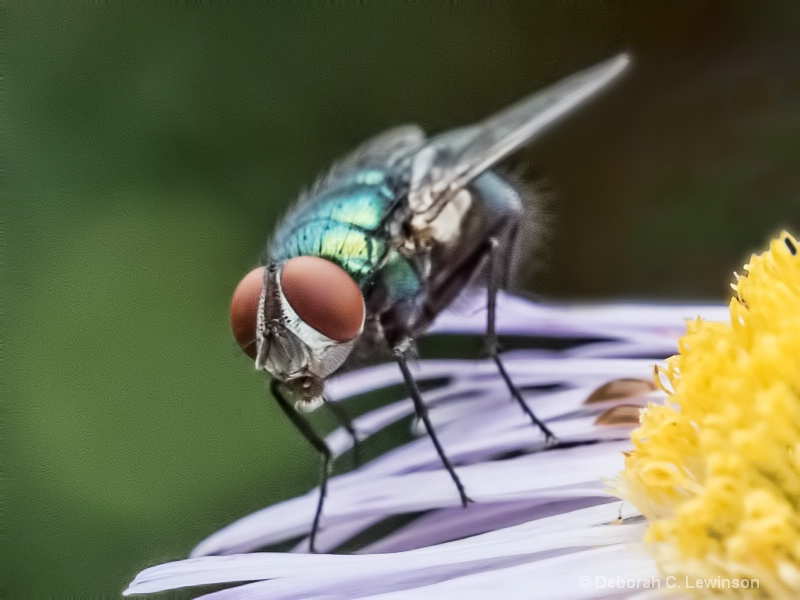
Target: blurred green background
column 149, row 148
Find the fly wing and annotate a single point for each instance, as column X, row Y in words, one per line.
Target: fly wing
column 451, row 160
column 384, row 150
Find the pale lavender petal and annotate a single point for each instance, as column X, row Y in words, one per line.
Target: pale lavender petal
column 521, row 317
column 554, row 578
column 529, row 476
column 333, row 536
column 363, row 380
column 316, row 574
column 575, row 371
column 538, row 517
column 644, row 346
column 533, row 367
column 340, row 441
column 448, row 524
column 478, row 379
column 472, row 438
column 512, row 432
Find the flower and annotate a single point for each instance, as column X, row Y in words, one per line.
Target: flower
column 710, row 486
column 543, row 522
column 716, row 469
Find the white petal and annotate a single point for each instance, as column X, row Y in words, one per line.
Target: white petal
column 448, row 524
column 546, row 513
column 484, row 384
column 314, row 574
column 557, row 578
column 518, row 316
column 578, row 473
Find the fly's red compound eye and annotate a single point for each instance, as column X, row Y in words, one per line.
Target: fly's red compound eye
column 324, row 296
column 244, row 310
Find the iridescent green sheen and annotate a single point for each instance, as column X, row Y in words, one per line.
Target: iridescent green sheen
column 402, row 281
column 342, row 224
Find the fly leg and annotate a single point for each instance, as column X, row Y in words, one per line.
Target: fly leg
column 492, row 344
column 325, row 454
column 341, row 415
column 422, row 413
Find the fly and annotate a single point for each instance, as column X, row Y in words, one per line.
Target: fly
column 385, row 241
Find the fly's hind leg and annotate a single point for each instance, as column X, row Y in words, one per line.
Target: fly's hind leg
column 491, row 342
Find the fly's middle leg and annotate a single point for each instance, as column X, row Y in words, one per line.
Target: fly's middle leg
column 346, row 422
column 491, row 341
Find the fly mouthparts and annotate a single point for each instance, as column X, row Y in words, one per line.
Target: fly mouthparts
column 263, row 345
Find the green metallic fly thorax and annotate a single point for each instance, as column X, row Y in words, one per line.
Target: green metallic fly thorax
column 343, row 224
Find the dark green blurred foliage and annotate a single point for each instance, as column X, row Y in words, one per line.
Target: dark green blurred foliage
column 149, row 148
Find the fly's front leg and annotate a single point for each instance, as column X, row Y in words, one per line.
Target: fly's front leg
column 325, row 454
column 341, row 415
column 421, row 410
column 492, row 344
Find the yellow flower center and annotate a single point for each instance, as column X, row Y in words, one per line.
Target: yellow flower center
column 716, row 469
